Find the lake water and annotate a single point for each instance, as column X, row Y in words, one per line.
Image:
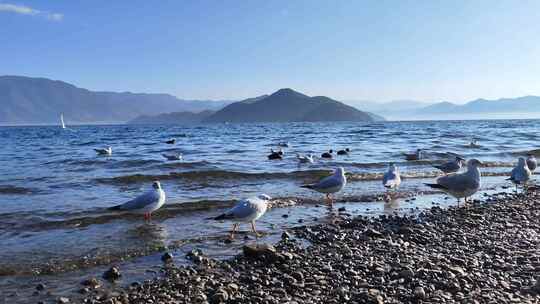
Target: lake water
column 55, row 190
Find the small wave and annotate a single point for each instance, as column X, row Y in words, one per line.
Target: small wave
column 212, row 174
column 10, row 189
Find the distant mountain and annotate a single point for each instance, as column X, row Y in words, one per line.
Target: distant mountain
column 27, row 100
column 520, row 107
column 172, row 118
column 287, row 105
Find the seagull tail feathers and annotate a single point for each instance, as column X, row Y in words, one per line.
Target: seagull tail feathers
column 115, row 208
column 435, row 186
column 220, row 217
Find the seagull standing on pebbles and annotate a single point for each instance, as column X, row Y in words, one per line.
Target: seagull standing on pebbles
column 531, row 162
column 330, row 184
column 521, row 174
column 145, row 203
column 461, row 185
column 248, row 211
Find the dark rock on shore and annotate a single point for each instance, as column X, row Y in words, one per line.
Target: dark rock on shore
column 112, row 274
column 478, row 253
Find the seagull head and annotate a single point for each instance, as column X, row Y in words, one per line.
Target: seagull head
column 474, row 163
column 339, row 171
column 156, row 185
column 392, row 167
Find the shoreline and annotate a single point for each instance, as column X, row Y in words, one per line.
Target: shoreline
column 485, row 251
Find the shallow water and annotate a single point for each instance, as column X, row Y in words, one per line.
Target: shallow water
column 54, row 189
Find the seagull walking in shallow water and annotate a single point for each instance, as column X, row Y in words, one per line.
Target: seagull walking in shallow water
column 330, row 184
column 145, row 203
column 104, row 151
column 531, row 162
column 461, row 185
column 391, row 179
column 248, row 211
column 521, row 174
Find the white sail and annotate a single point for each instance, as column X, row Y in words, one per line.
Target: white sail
column 62, row 120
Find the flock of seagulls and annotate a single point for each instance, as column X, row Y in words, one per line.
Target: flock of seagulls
column 453, row 182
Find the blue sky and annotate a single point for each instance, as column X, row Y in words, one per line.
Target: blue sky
column 349, row 50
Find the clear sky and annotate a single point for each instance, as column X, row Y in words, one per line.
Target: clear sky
column 349, row 50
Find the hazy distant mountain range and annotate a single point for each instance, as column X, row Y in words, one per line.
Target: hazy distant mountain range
column 26, row 100
column 285, row 105
column 520, row 107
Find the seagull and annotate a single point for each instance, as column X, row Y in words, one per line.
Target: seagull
column 171, row 141
column 248, row 210
column 391, row 179
column 176, row 156
column 451, row 166
column 521, row 174
column 415, row 155
column 275, row 154
column 104, row 151
column 474, row 143
column 460, row 184
column 343, row 152
column 531, row 162
column 308, row 158
column 330, row 184
column 327, row 154
column 145, row 203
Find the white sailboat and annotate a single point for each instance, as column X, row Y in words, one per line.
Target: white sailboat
column 62, row 120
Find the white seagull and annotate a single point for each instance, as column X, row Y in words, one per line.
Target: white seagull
column 391, row 179
column 461, row 185
column 330, row 184
column 104, row 151
column 451, row 166
column 531, row 162
column 308, row 158
column 247, row 211
column 176, row 156
column 521, row 174
column 145, row 203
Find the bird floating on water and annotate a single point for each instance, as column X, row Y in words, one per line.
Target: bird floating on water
column 474, row 143
column 247, row 211
column 330, row 184
column 451, row 166
column 521, row 174
column 344, row 152
column 308, row 158
column 531, row 162
column 275, row 154
column 145, row 203
column 171, row 141
column 417, row 155
column 176, row 156
column 104, row 151
column 284, row 144
column 461, row 185
column 327, row 154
